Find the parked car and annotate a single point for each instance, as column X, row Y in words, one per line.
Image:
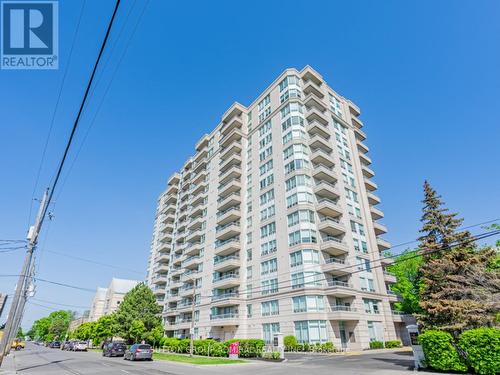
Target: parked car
column 17, row 344
column 114, row 349
column 55, row 345
column 139, row 351
column 79, row 346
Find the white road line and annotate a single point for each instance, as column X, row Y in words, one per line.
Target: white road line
column 125, row 371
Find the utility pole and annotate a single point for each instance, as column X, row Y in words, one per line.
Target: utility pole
column 19, row 299
column 191, row 330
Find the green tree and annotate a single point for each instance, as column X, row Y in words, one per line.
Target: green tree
column 155, row 335
column 104, row 328
column 137, row 330
column 138, row 304
column 458, row 292
column 84, row 331
column 406, row 268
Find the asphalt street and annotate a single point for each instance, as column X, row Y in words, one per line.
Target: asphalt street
column 37, row 360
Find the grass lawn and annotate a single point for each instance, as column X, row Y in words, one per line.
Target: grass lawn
column 195, row 360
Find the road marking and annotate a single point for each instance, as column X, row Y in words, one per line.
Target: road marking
column 125, row 371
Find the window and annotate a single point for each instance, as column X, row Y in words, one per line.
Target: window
column 268, row 212
column 268, row 331
column 264, row 102
column 299, row 180
column 269, row 266
column 266, row 167
column 306, row 279
column 335, row 106
column 307, row 256
column 264, row 128
column 300, row 216
column 268, row 247
column 265, row 114
column 302, row 236
column 265, row 141
column 300, row 197
column 363, row 264
column 249, row 290
column 371, row 306
column 249, row 272
column 249, row 311
column 266, row 153
column 267, row 197
column 299, row 150
column 292, row 108
column 357, row 228
column 269, row 286
column 291, row 93
column 288, row 81
column 296, row 164
column 294, row 134
column 295, row 122
column 366, row 284
column 311, row 331
column 267, row 230
column 269, row 308
column 308, row 304
column 266, row 181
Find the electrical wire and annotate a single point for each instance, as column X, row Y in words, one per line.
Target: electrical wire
column 58, row 304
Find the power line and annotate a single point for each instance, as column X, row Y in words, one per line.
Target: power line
column 94, row 262
column 59, row 304
column 52, row 121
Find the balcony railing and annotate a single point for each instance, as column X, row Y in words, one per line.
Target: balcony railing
column 224, row 316
column 342, row 308
column 233, row 275
column 224, row 296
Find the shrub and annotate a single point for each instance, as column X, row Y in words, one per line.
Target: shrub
column 271, row 355
column 376, row 345
column 392, row 344
column 327, row 347
column 440, row 354
column 290, row 342
column 248, row 347
column 482, row 348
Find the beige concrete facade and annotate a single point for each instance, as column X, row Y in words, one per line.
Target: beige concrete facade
column 272, row 225
column 107, row 300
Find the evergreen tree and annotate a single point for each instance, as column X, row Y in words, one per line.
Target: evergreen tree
column 458, row 291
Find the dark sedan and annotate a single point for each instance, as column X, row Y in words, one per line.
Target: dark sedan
column 139, row 351
column 114, row 349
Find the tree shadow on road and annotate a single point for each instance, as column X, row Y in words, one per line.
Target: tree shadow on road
column 42, row 365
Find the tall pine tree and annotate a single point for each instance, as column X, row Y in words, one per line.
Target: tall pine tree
column 458, row 292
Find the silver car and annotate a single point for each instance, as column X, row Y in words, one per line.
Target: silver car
column 139, row 351
column 79, row 346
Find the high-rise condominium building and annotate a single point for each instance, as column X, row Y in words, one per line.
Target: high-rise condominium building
column 271, row 226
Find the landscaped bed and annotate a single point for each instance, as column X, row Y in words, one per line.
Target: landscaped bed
column 195, row 360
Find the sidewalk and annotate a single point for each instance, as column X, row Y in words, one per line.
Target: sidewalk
column 8, row 365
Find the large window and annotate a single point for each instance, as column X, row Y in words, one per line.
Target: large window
column 311, row 331
column 300, row 216
column 267, row 230
column 307, row 256
column 269, row 286
column 306, row 279
column 296, row 122
column 268, row 247
column 299, row 197
column 269, row 308
column 289, row 81
column 269, row 266
column 371, row 306
column 299, row 180
column 268, row 331
column 308, row 304
column 302, row 236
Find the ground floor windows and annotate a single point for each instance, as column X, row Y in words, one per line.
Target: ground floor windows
column 308, row 303
column 268, row 331
column 311, row 331
column 375, row 331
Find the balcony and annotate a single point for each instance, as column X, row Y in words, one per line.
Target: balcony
column 229, row 187
column 169, row 209
column 192, row 261
column 370, row 185
column 323, row 172
column 389, row 277
column 226, row 280
column 328, row 207
column 159, row 290
column 233, row 148
column 367, row 171
column 311, row 87
column 331, row 226
column 171, row 199
column 334, row 246
column 169, row 311
column 176, row 271
column 336, row 266
column 227, row 163
column 160, row 279
column 196, row 222
column 162, row 258
column 383, row 244
column 313, row 114
column 228, row 230
column 376, row 213
column 167, row 228
column 233, row 136
column 228, row 215
column 194, row 236
column 168, row 218
column 228, row 246
column 200, row 176
column 365, row 159
column 232, row 173
column 229, row 201
column 360, row 135
column 225, row 299
column 317, row 141
column 166, row 237
column 161, row 267
column 231, row 319
column 339, row 289
column 223, row 264
column 199, row 187
column 313, row 102
column 326, row 190
column 165, row 247
column 379, row 228
column 373, row 199
column 202, row 143
column 319, row 156
column 191, row 275
column 198, row 209
column 175, row 284
column 342, row 312
column 362, row 147
column 232, row 118
column 193, row 248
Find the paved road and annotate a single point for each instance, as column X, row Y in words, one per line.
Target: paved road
column 36, row 360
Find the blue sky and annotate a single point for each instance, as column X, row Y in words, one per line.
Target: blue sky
column 425, row 75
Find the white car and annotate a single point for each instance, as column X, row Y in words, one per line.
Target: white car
column 80, row 346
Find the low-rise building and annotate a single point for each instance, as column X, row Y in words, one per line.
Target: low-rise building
column 107, row 300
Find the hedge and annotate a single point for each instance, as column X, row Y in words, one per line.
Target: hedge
column 248, row 347
column 291, row 345
column 290, row 342
column 440, row 354
column 482, row 349
column 376, row 345
column 392, row 344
